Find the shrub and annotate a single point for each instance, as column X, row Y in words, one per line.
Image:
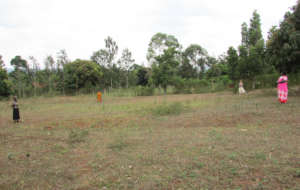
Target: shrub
column 168, row 109
column 76, row 136
column 182, row 86
column 144, row 90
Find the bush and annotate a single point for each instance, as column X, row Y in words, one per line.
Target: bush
column 220, row 83
column 201, row 86
column 182, row 86
column 188, row 86
column 168, row 109
column 76, row 136
column 294, row 79
column 144, row 90
column 266, row 81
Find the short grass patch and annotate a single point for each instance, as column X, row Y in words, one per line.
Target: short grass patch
column 165, row 109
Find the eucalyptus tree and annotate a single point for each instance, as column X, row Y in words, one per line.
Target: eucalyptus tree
column 164, row 55
column 35, row 67
column 106, row 58
column 126, row 61
column 50, row 71
column 197, row 57
column 62, row 60
column 159, row 43
column 164, row 73
column 20, row 75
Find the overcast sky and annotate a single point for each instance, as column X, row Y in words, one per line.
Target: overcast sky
column 43, row 27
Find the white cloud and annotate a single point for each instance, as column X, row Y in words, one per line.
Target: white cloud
column 41, row 27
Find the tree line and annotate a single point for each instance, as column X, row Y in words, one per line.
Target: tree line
column 255, row 60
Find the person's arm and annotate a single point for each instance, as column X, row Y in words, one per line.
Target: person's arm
column 283, row 81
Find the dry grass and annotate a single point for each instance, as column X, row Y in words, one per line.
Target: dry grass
column 214, row 141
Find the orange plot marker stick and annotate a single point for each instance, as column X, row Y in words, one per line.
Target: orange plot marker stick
column 99, row 97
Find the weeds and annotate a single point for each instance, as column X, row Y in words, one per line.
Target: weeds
column 118, row 145
column 260, row 156
column 77, row 136
column 168, row 109
column 217, row 136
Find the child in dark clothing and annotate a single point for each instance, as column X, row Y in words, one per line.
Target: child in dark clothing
column 16, row 113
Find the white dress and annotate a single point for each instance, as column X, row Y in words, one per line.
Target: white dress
column 241, row 89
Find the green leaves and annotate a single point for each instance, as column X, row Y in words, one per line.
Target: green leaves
column 283, row 45
column 81, row 73
column 160, row 42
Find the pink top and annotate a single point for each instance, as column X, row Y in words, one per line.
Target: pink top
column 282, row 86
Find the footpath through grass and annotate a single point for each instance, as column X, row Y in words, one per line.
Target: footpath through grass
column 207, row 141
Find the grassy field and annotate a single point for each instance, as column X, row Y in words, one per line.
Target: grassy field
column 201, row 141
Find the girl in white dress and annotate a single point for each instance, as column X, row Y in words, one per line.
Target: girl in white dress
column 241, row 88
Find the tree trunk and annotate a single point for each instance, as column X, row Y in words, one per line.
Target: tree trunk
column 34, row 85
column 111, row 86
column 63, row 83
column 165, row 89
column 253, row 84
column 127, row 79
column 49, row 83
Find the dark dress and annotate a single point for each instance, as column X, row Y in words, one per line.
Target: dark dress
column 16, row 114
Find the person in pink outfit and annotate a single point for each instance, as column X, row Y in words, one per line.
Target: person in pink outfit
column 282, row 88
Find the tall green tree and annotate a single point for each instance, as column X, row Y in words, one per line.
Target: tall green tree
column 165, row 68
column 197, row 57
column 245, row 35
column 164, row 55
column 50, row 70
column 255, row 33
column 34, row 70
column 5, row 86
column 283, row 45
column 142, row 76
column 159, row 43
column 62, row 60
column 20, row 74
column 187, row 70
column 81, row 74
column 217, row 67
column 251, row 60
column 126, row 61
column 1, row 62
column 106, row 59
column 232, row 60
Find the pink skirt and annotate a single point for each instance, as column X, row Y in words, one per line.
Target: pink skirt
column 282, row 95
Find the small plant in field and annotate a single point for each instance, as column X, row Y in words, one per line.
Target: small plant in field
column 232, row 156
column 60, row 149
column 199, row 165
column 233, row 171
column 118, row 145
column 10, row 156
column 297, row 173
column 168, row 109
column 215, row 135
column 260, row 156
column 77, row 136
